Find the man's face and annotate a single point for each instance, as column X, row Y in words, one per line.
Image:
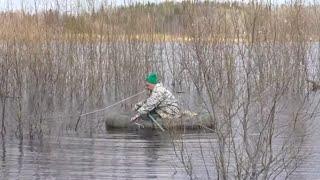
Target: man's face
column 149, row 86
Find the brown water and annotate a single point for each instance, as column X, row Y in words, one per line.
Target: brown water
column 118, row 155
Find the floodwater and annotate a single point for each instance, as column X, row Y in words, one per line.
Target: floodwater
column 120, row 155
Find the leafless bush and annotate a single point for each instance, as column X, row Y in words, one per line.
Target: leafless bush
column 244, row 62
column 245, row 84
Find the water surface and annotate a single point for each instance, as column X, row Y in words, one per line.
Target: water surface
column 119, row 155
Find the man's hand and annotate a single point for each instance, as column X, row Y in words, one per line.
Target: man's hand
column 137, row 106
column 134, row 118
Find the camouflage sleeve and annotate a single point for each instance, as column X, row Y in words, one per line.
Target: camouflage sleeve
column 152, row 102
column 138, row 105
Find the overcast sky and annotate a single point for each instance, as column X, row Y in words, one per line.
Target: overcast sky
column 72, row 5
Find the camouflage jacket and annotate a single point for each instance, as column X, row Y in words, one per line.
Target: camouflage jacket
column 162, row 101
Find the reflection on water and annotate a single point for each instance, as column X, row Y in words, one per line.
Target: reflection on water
column 115, row 155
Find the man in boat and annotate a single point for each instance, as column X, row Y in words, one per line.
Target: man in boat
column 160, row 102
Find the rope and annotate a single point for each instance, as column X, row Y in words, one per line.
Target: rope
column 98, row 110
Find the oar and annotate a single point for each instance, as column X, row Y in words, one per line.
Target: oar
column 154, row 121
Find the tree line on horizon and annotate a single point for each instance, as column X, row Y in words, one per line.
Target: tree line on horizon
column 215, row 20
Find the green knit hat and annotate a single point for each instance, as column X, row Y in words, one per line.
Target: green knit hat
column 152, row 78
